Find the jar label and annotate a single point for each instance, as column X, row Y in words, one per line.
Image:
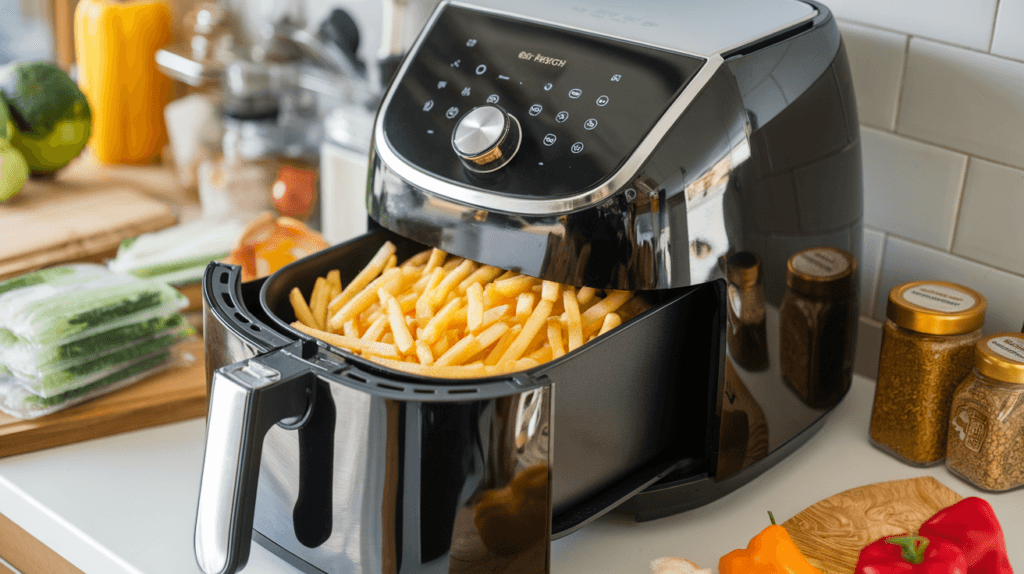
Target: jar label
column 1008, row 347
column 820, row 263
column 939, row 298
column 970, row 426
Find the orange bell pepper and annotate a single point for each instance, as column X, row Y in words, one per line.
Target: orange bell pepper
column 115, row 48
column 770, row 552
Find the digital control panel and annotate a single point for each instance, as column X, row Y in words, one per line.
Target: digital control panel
column 584, row 102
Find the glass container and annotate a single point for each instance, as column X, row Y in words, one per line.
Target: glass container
column 747, row 336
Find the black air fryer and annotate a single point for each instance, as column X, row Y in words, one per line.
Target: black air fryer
column 686, row 150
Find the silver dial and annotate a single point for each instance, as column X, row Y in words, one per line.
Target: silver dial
column 486, row 138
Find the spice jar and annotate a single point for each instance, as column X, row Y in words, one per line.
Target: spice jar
column 818, row 325
column 927, row 349
column 986, row 428
column 746, row 336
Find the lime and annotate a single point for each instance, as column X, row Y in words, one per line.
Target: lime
column 13, row 170
column 6, row 124
column 50, row 115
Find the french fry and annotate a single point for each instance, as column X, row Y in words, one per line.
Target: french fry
column 524, row 307
column 349, row 329
column 440, row 347
column 593, row 317
column 417, row 260
column 550, row 291
column 435, row 260
column 403, row 338
column 513, row 287
column 475, row 307
column 391, row 262
column 452, row 263
column 318, row 302
column 439, row 294
column 530, row 328
column 368, row 274
column 492, row 334
column 459, row 352
column 439, row 322
column 449, row 372
column 555, row 337
column 482, row 275
column 391, row 281
column 611, row 320
column 424, row 306
column 388, row 338
column 343, row 342
column 503, row 344
column 334, row 279
column 585, row 294
column 375, row 330
column 493, row 315
column 572, row 319
column 302, row 312
column 423, row 353
column 542, row 355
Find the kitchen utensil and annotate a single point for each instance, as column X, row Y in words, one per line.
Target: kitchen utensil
column 831, row 532
column 591, row 145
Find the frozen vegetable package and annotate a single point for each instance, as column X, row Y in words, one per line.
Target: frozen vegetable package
column 17, row 401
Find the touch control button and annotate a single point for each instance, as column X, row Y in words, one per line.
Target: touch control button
column 602, row 101
column 536, row 109
column 576, row 147
column 575, row 93
column 590, row 124
column 561, row 116
column 550, row 139
column 452, row 112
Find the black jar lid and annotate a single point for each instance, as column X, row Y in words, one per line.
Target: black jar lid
column 821, row 272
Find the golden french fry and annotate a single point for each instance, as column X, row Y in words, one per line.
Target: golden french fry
column 376, row 329
column 334, row 279
column 449, row 372
column 403, row 338
column 423, row 353
column 349, row 329
column 440, row 347
column 343, row 342
column 439, row 322
column 492, row 334
column 424, row 306
column 585, row 294
column 572, row 319
column 493, row 315
column 391, row 281
column 459, row 352
column 391, row 262
column 530, row 328
column 503, row 344
column 435, row 260
column 368, row 274
column 555, row 337
column 439, row 294
column 335, row 291
column 514, row 286
column 451, row 263
column 407, row 301
column 302, row 312
column 318, row 302
column 482, row 275
column 593, row 316
column 611, row 320
column 542, row 355
column 474, row 307
column 388, row 338
column 633, row 307
column 550, row 291
column 524, row 307
column 418, row 259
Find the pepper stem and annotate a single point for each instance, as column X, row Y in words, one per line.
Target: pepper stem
column 770, row 517
column 913, row 547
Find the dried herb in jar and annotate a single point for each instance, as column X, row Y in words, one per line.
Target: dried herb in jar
column 746, row 337
column 927, row 349
column 818, row 325
column 986, row 428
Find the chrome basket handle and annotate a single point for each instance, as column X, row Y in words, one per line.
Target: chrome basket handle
column 246, row 400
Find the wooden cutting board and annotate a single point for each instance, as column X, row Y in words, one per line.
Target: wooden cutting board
column 832, row 532
column 82, row 214
column 170, row 396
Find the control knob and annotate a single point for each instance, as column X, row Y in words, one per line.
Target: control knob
column 486, row 138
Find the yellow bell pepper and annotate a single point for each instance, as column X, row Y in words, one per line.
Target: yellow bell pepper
column 115, row 47
column 770, row 552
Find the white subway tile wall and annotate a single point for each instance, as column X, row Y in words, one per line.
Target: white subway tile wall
column 940, row 96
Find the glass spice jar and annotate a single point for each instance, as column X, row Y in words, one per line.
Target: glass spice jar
column 986, row 427
column 818, row 325
column 927, row 349
column 746, row 337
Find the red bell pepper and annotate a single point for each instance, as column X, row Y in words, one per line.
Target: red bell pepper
column 971, row 524
column 908, row 554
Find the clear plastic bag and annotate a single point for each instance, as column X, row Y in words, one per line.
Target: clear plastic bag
column 17, row 401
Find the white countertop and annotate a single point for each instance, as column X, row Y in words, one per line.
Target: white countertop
column 126, row 504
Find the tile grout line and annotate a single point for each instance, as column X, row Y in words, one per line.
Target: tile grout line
column 944, row 147
column 995, row 20
column 903, row 84
column 877, row 282
column 934, row 40
column 966, row 258
column 959, row 204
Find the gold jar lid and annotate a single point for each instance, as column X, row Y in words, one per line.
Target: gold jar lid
column 743, row 269
column 821, row 271
column 1001, row 357
column 936, row 308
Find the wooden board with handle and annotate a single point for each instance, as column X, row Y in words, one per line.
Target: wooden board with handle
column 831, row 533
column 173, row 395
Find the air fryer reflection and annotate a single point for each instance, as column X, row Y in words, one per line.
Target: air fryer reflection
column 449, row 317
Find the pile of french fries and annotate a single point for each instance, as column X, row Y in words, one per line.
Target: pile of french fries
column 448, row 317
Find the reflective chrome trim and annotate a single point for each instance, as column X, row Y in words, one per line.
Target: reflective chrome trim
column 487, row 200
